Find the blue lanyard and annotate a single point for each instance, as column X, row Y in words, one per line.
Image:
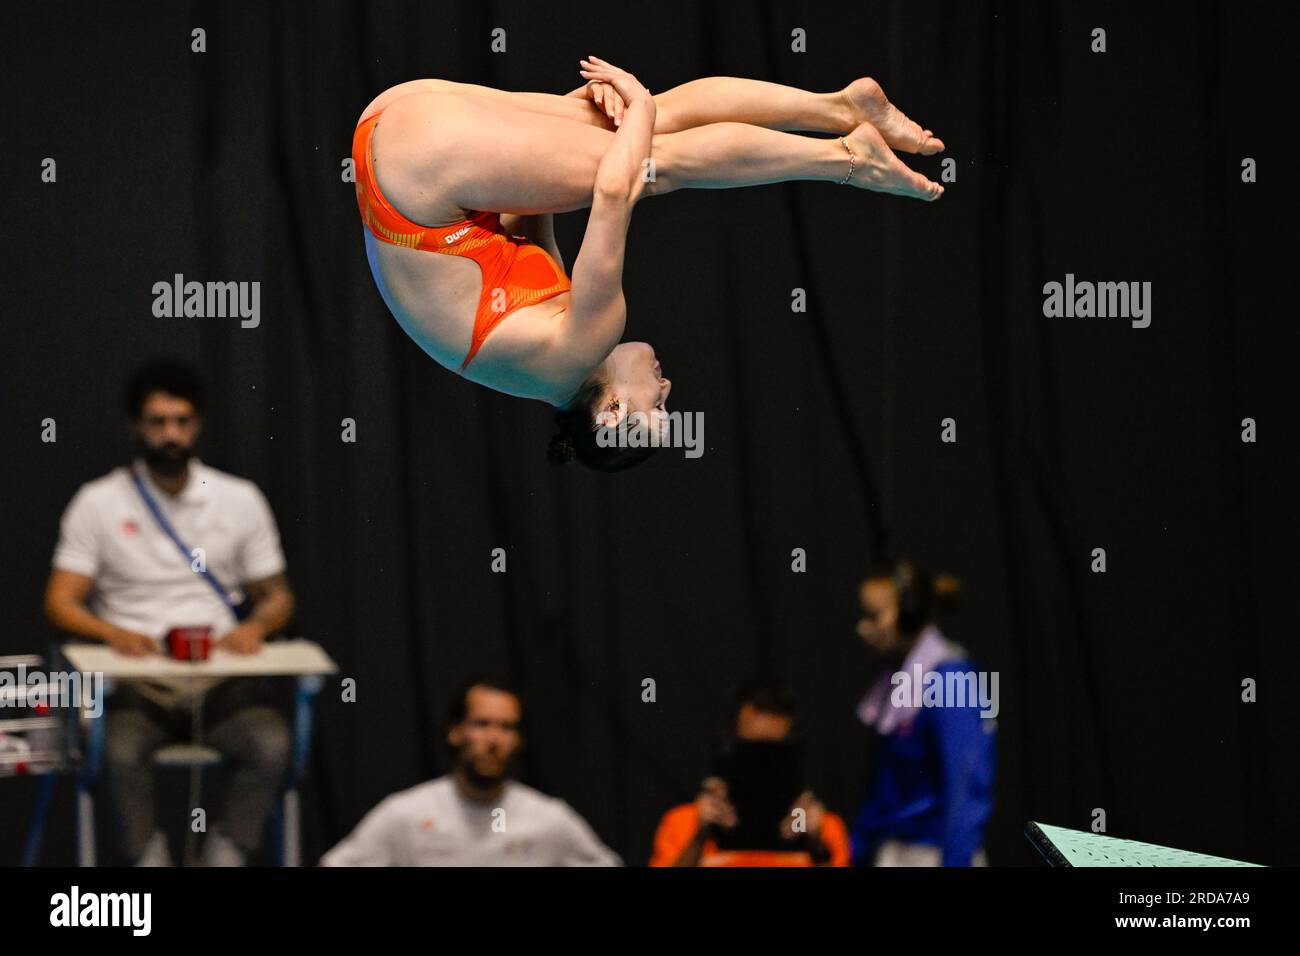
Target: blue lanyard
column 184, row 549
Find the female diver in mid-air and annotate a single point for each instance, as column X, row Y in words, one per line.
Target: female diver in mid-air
column 473, row 174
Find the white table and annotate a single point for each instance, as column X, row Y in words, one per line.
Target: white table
column 297, row 658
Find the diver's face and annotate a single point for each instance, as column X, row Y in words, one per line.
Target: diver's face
column 878, row 625
column 637, row 379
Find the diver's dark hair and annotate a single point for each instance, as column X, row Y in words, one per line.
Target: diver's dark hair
column 162, row 375
column 575, row 437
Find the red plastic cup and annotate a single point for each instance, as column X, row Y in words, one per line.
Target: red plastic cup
column 189, row 643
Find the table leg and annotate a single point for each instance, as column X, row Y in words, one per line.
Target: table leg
column 291, row 822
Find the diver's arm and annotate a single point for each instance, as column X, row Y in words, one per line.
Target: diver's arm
column 622, row 168
column 598, row 310
column 604, row 97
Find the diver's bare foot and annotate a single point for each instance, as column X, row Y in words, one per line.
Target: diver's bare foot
column 868, row 104
column 878, row 169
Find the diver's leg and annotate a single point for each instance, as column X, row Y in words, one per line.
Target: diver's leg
column 729, row 155
column 732, row 99
column 438, row 155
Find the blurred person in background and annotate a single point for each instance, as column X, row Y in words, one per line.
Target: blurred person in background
column 124, row 573
column 760, row 770
column 476, row 815
column 932, row 792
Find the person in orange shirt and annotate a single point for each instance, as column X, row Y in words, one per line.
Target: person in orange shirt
column 811, row 835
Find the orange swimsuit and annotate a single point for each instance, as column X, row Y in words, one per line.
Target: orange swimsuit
column 516, row 272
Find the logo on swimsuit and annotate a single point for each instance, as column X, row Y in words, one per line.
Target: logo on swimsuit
column 457, row 234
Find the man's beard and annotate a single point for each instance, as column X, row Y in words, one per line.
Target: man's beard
column 169, row 459
column 476, row 779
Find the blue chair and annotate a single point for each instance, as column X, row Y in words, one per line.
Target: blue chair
column 284, row 824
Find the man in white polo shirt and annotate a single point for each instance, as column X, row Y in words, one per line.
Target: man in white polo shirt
column 121, row 575
column 476, row 815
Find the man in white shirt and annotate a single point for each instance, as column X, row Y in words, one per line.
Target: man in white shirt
column 120, row 577
column 476, row 815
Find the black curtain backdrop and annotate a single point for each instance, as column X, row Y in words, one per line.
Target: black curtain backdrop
column 1119, row 691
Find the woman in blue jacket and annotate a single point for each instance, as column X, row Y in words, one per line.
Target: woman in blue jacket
column 932, row 792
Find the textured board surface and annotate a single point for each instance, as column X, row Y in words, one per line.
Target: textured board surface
column 1064, row 847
